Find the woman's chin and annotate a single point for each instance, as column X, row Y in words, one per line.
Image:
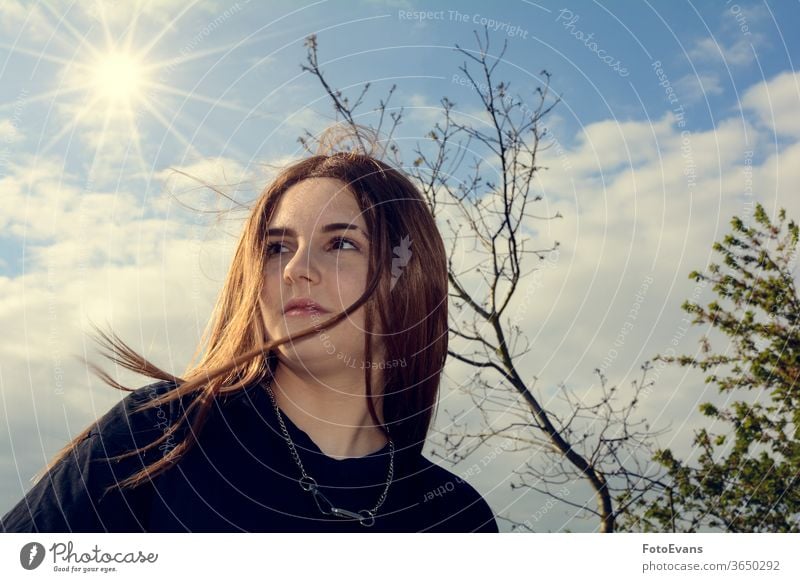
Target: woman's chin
column 319, row 358
column 306, row 352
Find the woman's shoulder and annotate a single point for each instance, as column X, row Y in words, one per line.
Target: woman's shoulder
column 453, row 498
column 128, row 420
column 73, row 495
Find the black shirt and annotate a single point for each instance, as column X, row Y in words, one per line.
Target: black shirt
column 239, row 477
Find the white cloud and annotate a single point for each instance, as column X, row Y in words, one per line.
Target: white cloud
column 776, row 103
column 697, row 88
column 605, row 145
column 737, row 54
column 201, row 183
column 8, row 131
column 777, row 177
column 744, row 19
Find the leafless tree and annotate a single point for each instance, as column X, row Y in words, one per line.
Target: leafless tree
column 600, row 443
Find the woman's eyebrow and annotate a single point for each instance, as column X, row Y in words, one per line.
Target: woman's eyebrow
column 334, row 226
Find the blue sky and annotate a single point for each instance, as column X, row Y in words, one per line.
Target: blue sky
column 674, row 116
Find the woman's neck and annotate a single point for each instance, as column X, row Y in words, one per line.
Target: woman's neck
column 333, row 413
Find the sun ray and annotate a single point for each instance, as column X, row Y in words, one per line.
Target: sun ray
column 62, row 19
column 62, row 39
column 131, row 32
column 151, row 107
column 69, row 127
column 47, row 95
column 133, row 137
column 104, row 23
column 247, row 40
column 187, row 58
column 136, row 139
column 202, row 130
column 37, row 54
column 155, row 40
column 100, row 143
column 201, row 98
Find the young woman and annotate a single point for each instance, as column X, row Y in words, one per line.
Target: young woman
column 314, row 391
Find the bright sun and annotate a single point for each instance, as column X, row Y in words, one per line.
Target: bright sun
column 113, row 84
column 118, row 77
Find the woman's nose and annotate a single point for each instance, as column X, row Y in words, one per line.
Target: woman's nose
column 302, row 265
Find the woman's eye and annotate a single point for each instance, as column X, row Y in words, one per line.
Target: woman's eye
column 339, row 240
column 274, row 248
column 271, row 247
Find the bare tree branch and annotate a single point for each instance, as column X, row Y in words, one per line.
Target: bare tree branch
column 600, row 443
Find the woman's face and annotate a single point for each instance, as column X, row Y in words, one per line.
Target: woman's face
column 317, row 249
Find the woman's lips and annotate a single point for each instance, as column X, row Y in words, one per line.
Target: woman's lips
column 304, row 311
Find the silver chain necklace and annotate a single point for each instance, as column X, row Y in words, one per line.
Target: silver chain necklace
column 366, row 517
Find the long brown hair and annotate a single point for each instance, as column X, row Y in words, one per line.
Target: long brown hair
column 406, row 290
